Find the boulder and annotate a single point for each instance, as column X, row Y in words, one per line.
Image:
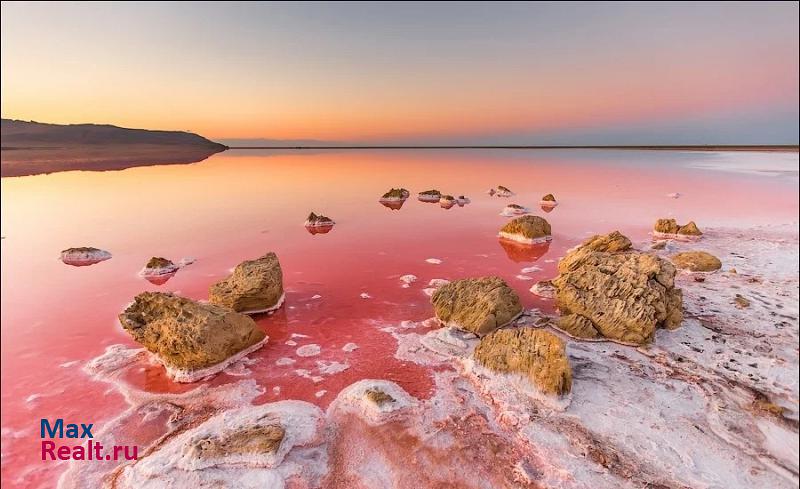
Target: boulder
column 254, row 286
column 624, row 293
column 527, row 229
column 538, row 355
column 697, row 261
column 192, row 340
column 159, row 266
column 548, row 198
column 477, row 305
column 314, row 220
column 447, row 201
column 669, row 227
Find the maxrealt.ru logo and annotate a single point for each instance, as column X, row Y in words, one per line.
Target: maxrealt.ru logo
column 93, row 450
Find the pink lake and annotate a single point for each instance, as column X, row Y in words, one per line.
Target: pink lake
column 241, row 204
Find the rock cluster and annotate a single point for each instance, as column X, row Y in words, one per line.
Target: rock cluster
column 255, row 286
column 191, row 339
column 670, row 228
column 607, row 289
column 538, row 355
column 527, row 229
column 477, row 305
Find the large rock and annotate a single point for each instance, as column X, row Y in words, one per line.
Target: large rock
column 624, row 293
column 477, row 305
column 84, row 256
column 578, row 326
column 534, row 353
column 527, row 229
column 191, row 339
column 254, row 286
column 669, row 227
column 697, row 261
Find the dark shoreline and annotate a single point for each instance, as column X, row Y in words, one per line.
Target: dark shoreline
column 768, row 148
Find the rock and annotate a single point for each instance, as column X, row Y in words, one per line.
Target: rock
column 462, row 200
column 741, row 301
column 477, row 305
column 314, row 220
column 192, row 340
column 247, row 441
column 429, row 196
column 697, row 261
column 659, row 245
column 502, row 191
column 544, row 288
column 578, row 326
column 447, row 201
column 84, row 256
column 548, row 201
column 254, row 286
column 670, row 228
column 624, row 293
column 377, row 396
column 395, row 194
column 536, row 354
column 514, row 210
column 527, row 229
column 159, row 266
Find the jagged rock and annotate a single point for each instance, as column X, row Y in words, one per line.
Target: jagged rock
column 247, row 441
column 314, row 220
column 432, row 195
column 697, row 261
column 191, row 339
column 548, row 198
column 669, row 227
column 578, row 326
column 536, row 354
column 254, row 286
column 527, row 229
column 625, row 294
column 477, row 305
column 396, row 194
column 83, row 256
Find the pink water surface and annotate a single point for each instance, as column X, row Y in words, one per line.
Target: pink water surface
column 241, row 204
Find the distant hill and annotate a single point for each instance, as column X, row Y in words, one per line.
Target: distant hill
column 30, row 148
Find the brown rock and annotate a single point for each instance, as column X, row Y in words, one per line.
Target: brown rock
column 690, row 229
column 697, row 261
column 247, row 441
column 254, row 286
column 670, row 226
column 477, row 305
column 158, row 262
column 578, row 326
column 539, row 355
column 378, row 397
column 186, row 335
column 624, row 293
column 741, row 301
column 526, row 229
column 659, row 245
column 548, row 198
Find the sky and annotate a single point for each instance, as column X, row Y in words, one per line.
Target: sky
column 411, row 73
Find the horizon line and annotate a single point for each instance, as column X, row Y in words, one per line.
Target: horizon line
column 690, row 147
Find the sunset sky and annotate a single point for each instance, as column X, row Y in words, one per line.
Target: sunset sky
column 412, row 73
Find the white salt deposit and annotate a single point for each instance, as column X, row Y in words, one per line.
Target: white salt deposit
column 284, row 361
column 531, row 269
column 350, row 347
column 434, row 261
column 308, row 350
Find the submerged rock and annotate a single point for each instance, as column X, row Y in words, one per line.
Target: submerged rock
column 84, row 256
column 429, row 196
column 536, row 354
column 670, row 228
column 314, row 220
column 624, row 293
column 477, row 305
column 192, row 340
column 395, row 194
column 254, row 286
column 697, row 261
column 527, row 229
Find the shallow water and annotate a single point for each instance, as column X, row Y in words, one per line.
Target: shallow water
column 238, row 205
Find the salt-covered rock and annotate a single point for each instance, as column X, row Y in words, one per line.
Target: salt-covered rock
column 447, row 201
column 527, row 229
column 548, row 201
column 538, row 355
column 429, row 196
column 315, row 220
column 514, row 210
column 84, row 256
column 395, row 195
column 500, row 191
column 192, row 340
column 477, row 305
column 158, row 268
column 374, row 401
column 255, row 286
